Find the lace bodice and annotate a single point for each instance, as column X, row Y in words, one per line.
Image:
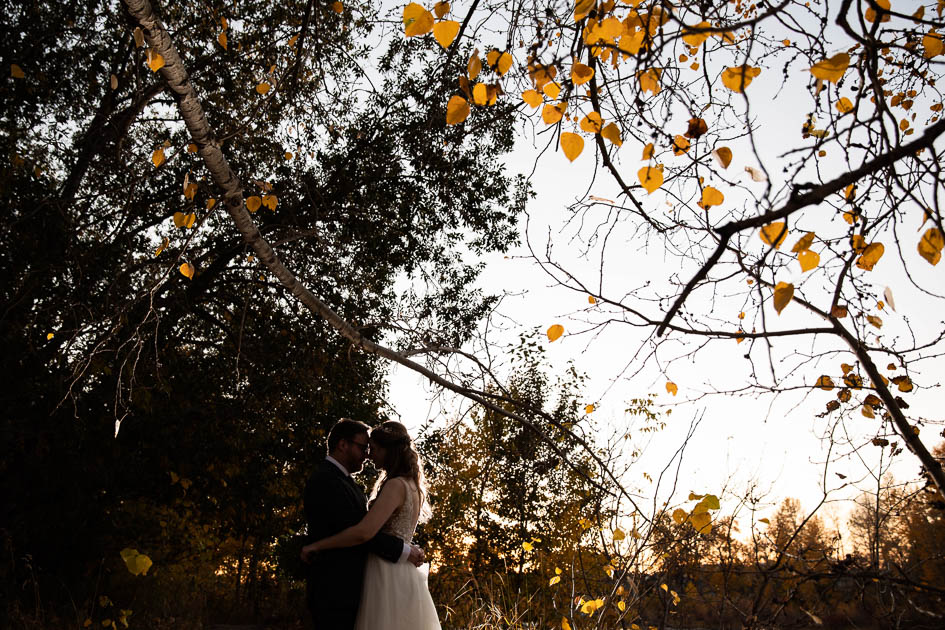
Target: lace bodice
column 403, row 522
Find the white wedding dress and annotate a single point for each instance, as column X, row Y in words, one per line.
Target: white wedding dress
column 395, row 596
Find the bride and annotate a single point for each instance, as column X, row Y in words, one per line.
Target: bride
column 395, row 595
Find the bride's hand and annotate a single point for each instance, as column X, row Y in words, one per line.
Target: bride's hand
column 309, row 552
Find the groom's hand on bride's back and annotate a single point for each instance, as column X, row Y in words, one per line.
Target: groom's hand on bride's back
column 417, row 556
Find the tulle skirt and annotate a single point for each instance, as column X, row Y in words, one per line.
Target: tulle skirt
column 396, row 597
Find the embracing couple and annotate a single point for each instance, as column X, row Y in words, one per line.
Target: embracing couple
column 363, row 572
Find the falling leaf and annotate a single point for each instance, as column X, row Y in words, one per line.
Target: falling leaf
column 739, row 77
column 417, row 20
column 553, row 113
column 844, row 105
column 671, row 388
column 253, row 203
column 457, row 110
column 774, row 234
column 651, row 177
column 581, row 73
column 808, row 260
column 825, row 383
column 757, row 175
column 589, row 409
column 612, row 132
column 831, row 69
column 221, row 38
column 764, row 520
column 532, row 98
column 711, row 197
column 887, row 293
column 263, row 88
column 554, row 332
column 445, row 32
column 722, row 156
column 930, row 247
column 155, row 60
column 870, row 256
column 783, row 294
column 157, row 158
column 137, row 563
column 162, row 246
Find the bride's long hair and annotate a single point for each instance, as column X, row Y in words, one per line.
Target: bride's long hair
column 400, row 460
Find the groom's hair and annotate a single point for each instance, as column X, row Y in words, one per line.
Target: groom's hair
column 345, row 429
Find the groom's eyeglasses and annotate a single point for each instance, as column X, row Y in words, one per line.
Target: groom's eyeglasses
column 364, row 446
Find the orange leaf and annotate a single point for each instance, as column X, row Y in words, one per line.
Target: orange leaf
column 532, row 98
column 650, row 80
column 337, row 7
column 808, row 260
column 651, row 177
column 930, row 247
column 783, row 294
column 870, row 256
column 263, row 88
column 581, row 73
column 871, row 14
column 671, row 387
column 553, row 113
column 253, row 203
column 417, row 20
column 457, row 110
column 844, row 105
column 648, row 152
column 222, row 39
column 831, row 69
column 774, row 234
column 803, row 242
column 505, row 63
column 158, row 157
column 825, row 383
column 737, row 78
column 480, row 94
column 722, row 156
column 592, row 123
column 554, row 332
column 680, row 145
column 474, row 66
column 612, row 133
column 711, row 197
column 441, row 8
column 155, row 60
column 445, row 32
column 572, row 144
column 589, row 409
column 187, row 269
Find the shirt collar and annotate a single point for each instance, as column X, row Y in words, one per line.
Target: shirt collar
column 338, row 464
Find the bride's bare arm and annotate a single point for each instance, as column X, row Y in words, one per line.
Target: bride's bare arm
column 392, row 495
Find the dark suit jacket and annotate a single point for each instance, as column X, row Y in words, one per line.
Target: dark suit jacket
column 333, row 502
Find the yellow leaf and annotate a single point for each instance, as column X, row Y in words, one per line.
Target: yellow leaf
column 589, row 409
column 139, row 37
column 870, row 256
column 581, row 73
column 711, row 197
column 457, row 110
column 189, row 220
column 825, row 383
column 253, row 203
column 553, row 113
column 844, row 105
column 612, row 132
column 163, row 245
column 564, row 624
column 551, row 90
column 474, row 66
column 591, row 299
column 527, row 546
column 695, row 38
column 417, row 20
column 875, row 321
column 871, row 14
column 722, row 156
column 671, row 388
column 592, row 123
column 441, row 8
column 582, row 8
column 651, row 177
column 263, row 87
column 532, row 98
column 648, row 151
column 50, row 336
column 137, row 563
column 554, row 580
column 764, row 520
column 337, row 7
column 190, row 191
column 783, row 294
column 618, row 534
column 702, row 523
column 680, row 145
column 480, row 94
column 803, row 243
column 505, row 63
column 930, row 247
column 650, row 80
column 831, row 69
column 680, row 516
column 808, row 260
column 222, row 39
column 180, row 219
column 555, row 332
column 445, row 32
column 774, row 233
column 155, row 60
column 210, row 203
column 934, row 46
column 621, row 606
column 270, row 201
column 737, row 78
column 16, row 71
column 157, row 158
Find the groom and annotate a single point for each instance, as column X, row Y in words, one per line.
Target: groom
column 333, row 502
